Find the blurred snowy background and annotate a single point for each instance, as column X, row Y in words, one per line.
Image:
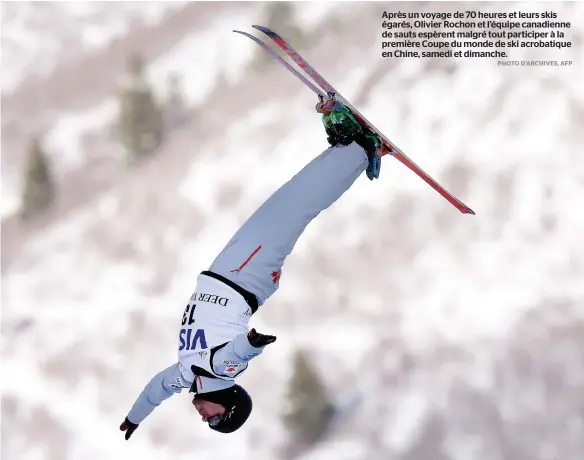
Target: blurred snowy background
column 435, row 335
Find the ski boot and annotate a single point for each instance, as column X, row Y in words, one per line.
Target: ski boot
column 342, row 128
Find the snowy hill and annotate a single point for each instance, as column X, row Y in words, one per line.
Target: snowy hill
column 35, row 37
column 464, row 334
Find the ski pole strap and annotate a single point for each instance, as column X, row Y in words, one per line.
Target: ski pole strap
column 250, row 298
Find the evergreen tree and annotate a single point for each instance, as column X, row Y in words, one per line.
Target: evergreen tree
column 175, row 108
column 39, row 189
column 175, row 95
column 310, row 408
column 140, row 119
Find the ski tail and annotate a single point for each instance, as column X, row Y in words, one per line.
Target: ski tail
column 326, row 86
column 432, row 183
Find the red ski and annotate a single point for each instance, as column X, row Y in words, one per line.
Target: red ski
column 328, row 88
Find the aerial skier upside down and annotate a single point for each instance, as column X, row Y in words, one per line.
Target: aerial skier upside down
column 215, row 343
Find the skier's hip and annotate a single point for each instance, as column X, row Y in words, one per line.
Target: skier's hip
column 250, row 298
column 253, row 267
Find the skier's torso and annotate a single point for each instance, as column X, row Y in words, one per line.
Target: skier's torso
column 216, row 314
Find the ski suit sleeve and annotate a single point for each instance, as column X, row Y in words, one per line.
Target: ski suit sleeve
column 232, row 359
column 162, row 386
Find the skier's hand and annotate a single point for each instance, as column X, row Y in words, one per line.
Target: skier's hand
column 258, row 340
column 128, row 427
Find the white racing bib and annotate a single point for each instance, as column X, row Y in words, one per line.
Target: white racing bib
column 215, row 314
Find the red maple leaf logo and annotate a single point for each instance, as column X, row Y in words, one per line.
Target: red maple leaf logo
column 276, row 276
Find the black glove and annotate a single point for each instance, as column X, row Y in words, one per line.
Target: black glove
column 128, row 427
column 258, row 340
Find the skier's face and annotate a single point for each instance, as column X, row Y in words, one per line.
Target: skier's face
column 208, row 409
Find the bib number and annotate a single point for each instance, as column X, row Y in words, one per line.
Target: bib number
column 189, row 337
column 189, row 314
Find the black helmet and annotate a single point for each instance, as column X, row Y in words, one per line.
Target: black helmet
column 238, row 406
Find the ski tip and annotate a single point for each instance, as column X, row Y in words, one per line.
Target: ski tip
column 243, row 33
column 468, row 211
column 265, row 30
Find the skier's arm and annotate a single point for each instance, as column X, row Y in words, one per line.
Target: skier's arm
column 162, row 386
column 236, row 354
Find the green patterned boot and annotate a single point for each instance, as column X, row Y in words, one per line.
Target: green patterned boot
column 339, row 123
column 342, row 128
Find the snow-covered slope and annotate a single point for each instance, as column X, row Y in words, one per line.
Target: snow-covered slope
column 468, row 326
column 35, row 35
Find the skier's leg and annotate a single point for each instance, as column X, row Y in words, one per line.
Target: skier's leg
column 254, row 256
